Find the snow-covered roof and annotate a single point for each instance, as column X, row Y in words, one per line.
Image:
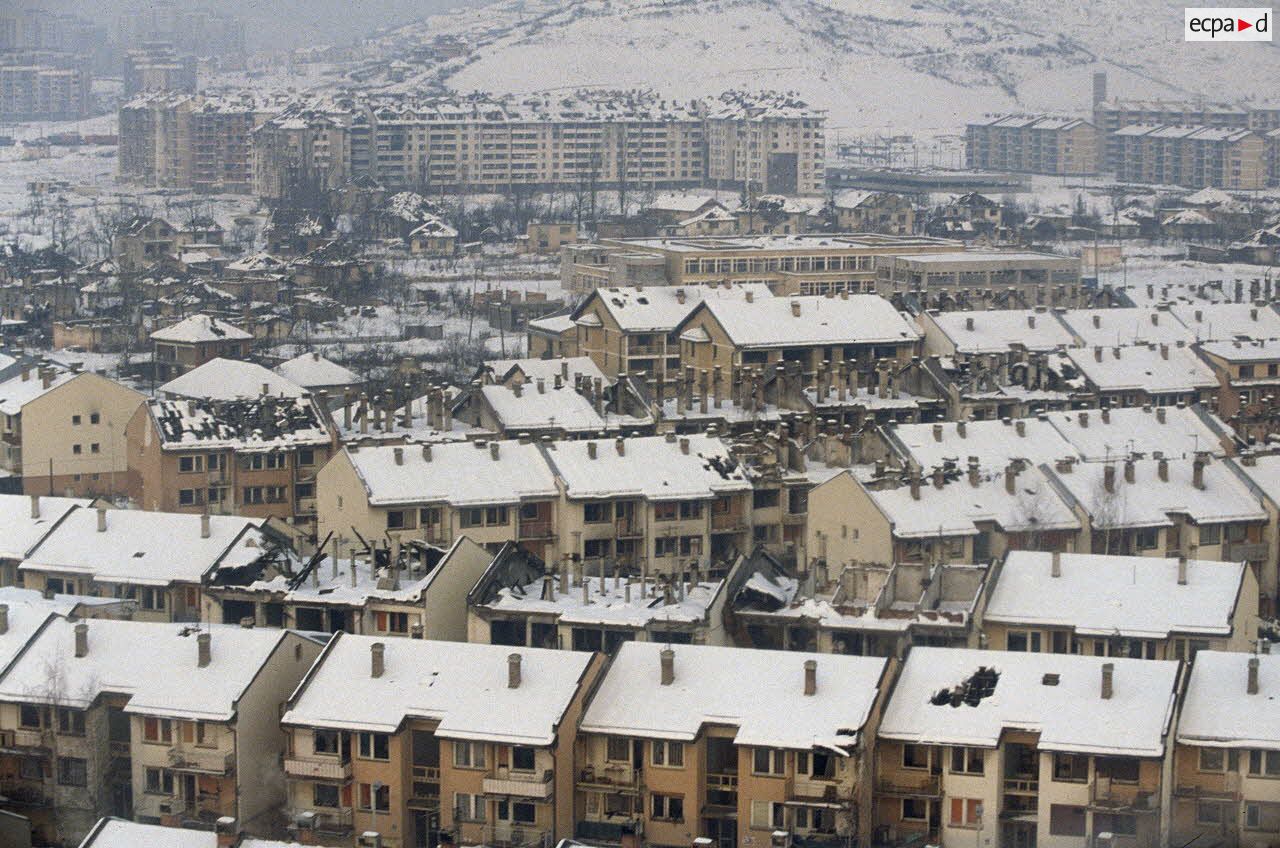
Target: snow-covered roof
column 228, row 379
column 313, row 371
column 115, row 664
column 1208, row 196
column 556, row 324
column 648, row 466
column 16, row 392
column 560, row 408
column 1187, row 218
column 994, row 443
column 811, row 320
column 681, row 202
column 1228, row 321
column 1131, row 596
column 565, row 367
column 1098, row 436
column 1218, row 710
column 261, row 262
column 1058, row 696
column 659, row 308
column 1267, row 350
column 995, row 331
column 201, row 328
column 122, row 833
column 457, row 473
column 1149, row 368
column 610, row 602
column 462, row 685
column 1125, row 326
column 706, row 689
column 958, row 507
column 20, row 531
column 146, row 548
column 1148, row 501
column 257, row 424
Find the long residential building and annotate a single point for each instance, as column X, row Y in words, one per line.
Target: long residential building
column 1190, row 156
column 1036, row 144
column 43, row 91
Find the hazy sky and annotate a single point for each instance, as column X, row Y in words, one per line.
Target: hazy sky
column 286, row 23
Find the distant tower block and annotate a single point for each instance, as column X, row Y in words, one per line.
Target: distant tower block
column 1099, row 87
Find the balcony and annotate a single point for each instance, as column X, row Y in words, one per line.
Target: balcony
column 1229, row 790
column 29, row 739
column 317, row 768
column 1107, row 794
column 1022, row 785
column 22, row 793
column 536, row 528
column 809, row 788
column 328, row 820
column 911, row 786
column 628, row 528
column 524, row 785
column 722, row 790
column 512, row 835
column 424, row 791
column 634, row 349
column 614, row 777
column 206, row 761
column 727, row 522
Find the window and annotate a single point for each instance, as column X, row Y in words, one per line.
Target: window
column 395, row 519
column 766, row 815
column 374, row 746
column 1264, row 763
column 94, row 418
column 518, row 812
column 29, row 716
column 670, row 754
column 966, row 760
column 664, row 511
column 190, row 464
column 915, row 757
column 1210, row 534
column 75, row 420
column 325, row 742
column 1208, row 812
column 768, row 761
column 467, row 807
column 1023, row 640
column 1070, row 768
column 496, row 516
column 1119, row 769
column 618, row 750
column 252, row 495
column 428, row 515
column 468, row 754
column 966, row 812
column 666, row 546
column 391, row 622
column 75, row 449
column 159, row 781
column 1262, row 816
column 816, row 764
column 95, row 448
column 667, row 807
column 1212, row 759
column 522, row 758
column 1148, row 538
column 1065, row 820
column 188, row 497
column 306, row 456
column 72, row 771
column 764, row 498
column 597, row 513
column 70, row 722
column 157, row 730
column 914, row 809
column 324, row 795
column 378, row 800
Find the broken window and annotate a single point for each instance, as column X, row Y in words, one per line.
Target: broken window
column 970, row 691
column 1070, row 768
column 1120, row 769
column 915, row 756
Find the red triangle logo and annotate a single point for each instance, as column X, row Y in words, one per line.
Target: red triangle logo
column 1242, row 24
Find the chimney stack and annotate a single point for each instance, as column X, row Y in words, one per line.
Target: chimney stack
column 1108, row 680
column 1197, row 471
column 204, row 525
column 1056, row 568
column 1253, row 676
column 591, row 450
column 35, row 506
column 82, row 639
column 668, row 660
column 1011, row 478
column 377, row 659
column 494, row 450
column 621, row 446
column 513, row 671
column 1109, row 478
column 4, row 619
column 1182, row 569
column 399, row 455
column 937, row 432
column 795, row 308
column 202, row 649
column 810, row 677
column 684, row 446
column 1162, row 469
column 1129, row 470
column 915, row 483
column 102, row 519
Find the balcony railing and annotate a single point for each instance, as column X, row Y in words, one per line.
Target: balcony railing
column 628, row 527
column 335, row 821
column 612, row 776
column 722, row 781
column 22, row 793
column 317, row 768
column 536, row 528
column 1109, row 794
column 1229, row 790
column 525, row 785
column 512, row 835
column 207, row 761
column 913, row 786
column 29, row 739
column 808, row 787
column 1022, row 785
column 728, row 521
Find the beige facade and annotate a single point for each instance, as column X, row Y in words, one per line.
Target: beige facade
column 1190, row 156
column 983, row 279
column 1037, row 144
column 73, row 438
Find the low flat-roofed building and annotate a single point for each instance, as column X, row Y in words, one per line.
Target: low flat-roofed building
column 1140, row 607
column 1033, row 748
column 978, row 279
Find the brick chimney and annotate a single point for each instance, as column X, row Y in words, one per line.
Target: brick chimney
column 914, row 478
column 204, row 525
column 1197, row 471
column 35, row 506
column 810, row 677
column 667, row 659
column 4, row 619
column 1108, row 680
column 1129, row 470
column 1011, row 478
column 1055, row 569
column 82, row 639
column 398, row 453
column 1253, row 676
column 228, row 832
column 1109, row 478
column 377, row 662
column 203, row 653
column 102, row 519
column 513, row 671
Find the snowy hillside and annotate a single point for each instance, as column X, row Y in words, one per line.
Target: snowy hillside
column 921, row 66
